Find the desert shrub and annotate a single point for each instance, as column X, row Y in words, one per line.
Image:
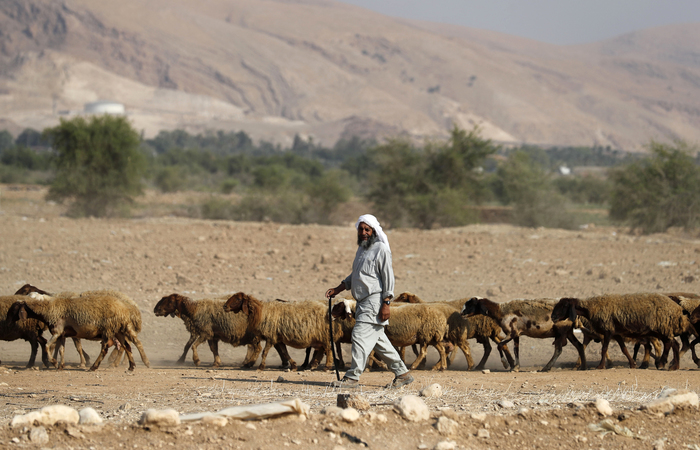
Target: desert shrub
column 228, row 185
column 658, row 192
column 170, row 179
column 584, row 190
column 528, row 187
column 98, row 165
column 6, row 141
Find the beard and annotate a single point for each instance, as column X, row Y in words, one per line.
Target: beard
column 368, row 243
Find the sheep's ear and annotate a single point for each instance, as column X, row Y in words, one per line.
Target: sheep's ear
column 23, row 312
column 244, row 306
column 675, row 299
column 572, row 309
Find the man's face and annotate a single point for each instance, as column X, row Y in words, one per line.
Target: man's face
column 364, row 232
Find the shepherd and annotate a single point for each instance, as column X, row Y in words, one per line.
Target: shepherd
column 372, row 286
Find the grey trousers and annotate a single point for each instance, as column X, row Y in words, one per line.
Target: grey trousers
column 367, row 337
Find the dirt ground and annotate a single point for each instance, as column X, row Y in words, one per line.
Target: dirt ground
column 149, row 258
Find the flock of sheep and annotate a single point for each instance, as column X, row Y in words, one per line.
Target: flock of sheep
column 645, row 319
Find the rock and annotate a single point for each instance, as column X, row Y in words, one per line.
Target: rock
column 350, row 415
column 450, row 414
column 445, row 426
column 162, row 418
column 215, row 420
column 331, row 411
column 353, row 401
column 659, row 444
column 47, row 416
column 281, row 379
column 479, row 417
column 523, row 411
column 670, row 399
column 603, row 407
column 445, row 445
column 412, row 408
column 486, row 371
column 38, row 435
column 89, row 416
column 483, row 433
column 374, row 417
column 506, row 404
column 434, row 390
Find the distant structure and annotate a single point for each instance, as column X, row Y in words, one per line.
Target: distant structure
column 105, row 107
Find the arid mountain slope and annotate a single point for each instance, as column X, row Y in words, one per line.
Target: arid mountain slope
column 275, row 68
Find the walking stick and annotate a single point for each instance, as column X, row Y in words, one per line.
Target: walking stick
column 330, row 335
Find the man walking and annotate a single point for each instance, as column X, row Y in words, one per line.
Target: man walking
column 372, row 286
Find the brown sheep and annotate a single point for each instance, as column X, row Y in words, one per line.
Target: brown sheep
column 30, row 330
column 632, row 315
column 480, row 327
column 206, row 320
column 101, row 317
column 28, row 290
column 528, row 318
column 411, row 324
column 298, row 325
column 689, row 302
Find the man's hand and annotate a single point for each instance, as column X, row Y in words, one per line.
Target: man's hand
column 384, row 312
column 332, row 292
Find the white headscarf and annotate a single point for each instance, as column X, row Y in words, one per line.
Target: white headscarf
column 372, row 221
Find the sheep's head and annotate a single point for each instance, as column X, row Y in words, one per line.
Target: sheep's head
column 343, row 310
column 473, row 306
column 565, row 309
column 28, row 289
column 695, row 316
column 169, row 306
column 407, row 297
column 17, row 311
column 238, row 302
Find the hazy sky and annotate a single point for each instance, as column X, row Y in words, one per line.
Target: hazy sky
column 554, row 21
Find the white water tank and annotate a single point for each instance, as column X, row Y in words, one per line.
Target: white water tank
column 105, row 107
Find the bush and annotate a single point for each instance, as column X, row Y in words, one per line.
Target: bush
column 658, row 192
column 98, row 165
column 528, row 187
column 170, row 179
column 584, row 190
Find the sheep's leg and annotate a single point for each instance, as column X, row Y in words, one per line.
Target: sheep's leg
column 421, row 356
column 402, row 354
column 253, row 352
column 686, row 344
column 305, row 364
column 329, row 355
column 579, row 348
column 586, row 340
column 675, row 363
column 129, row 353
column 558, row 345
column 604, row 351
column 44, row 353
column 414, row 347
column 195, row 354
column 214, row 347
column 661, row 362
column 51, row 346
column 317, row 357
column 115, row 358
column 62, row 353
column 623, row 347
column 284, row 356
column 637, row 345
column 133, row 337
column 516, row 350
column 376, row 364
column 484, row 341
column 187, row 349
column 84, row 357
column 647, row 354
column 696, row 360
column 506, row 357
column 266, row 350
column 103, row 353
column 442, row 362
column 32, row 358
column 339, row 354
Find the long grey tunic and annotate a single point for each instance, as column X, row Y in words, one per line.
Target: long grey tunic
column 372, row 274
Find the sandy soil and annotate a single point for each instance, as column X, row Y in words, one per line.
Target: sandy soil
column 148, row 258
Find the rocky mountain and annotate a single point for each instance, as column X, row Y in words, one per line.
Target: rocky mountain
column 320, row 68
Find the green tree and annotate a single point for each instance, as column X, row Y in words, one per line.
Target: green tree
column 658, row 192
column 528, row 187
column 98, row 164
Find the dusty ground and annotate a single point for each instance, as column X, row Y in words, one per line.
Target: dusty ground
column 151, row 257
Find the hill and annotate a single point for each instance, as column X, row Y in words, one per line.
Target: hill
column 321, row 68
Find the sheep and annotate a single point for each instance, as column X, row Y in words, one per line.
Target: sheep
column 299, row 325
column 38, row 294
column 99, row 316
column 31, row 330
column 689, row 302
column 528, row 318
column 639, row 315
column 206, row 320
column 480, row 327
column 415, row 324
